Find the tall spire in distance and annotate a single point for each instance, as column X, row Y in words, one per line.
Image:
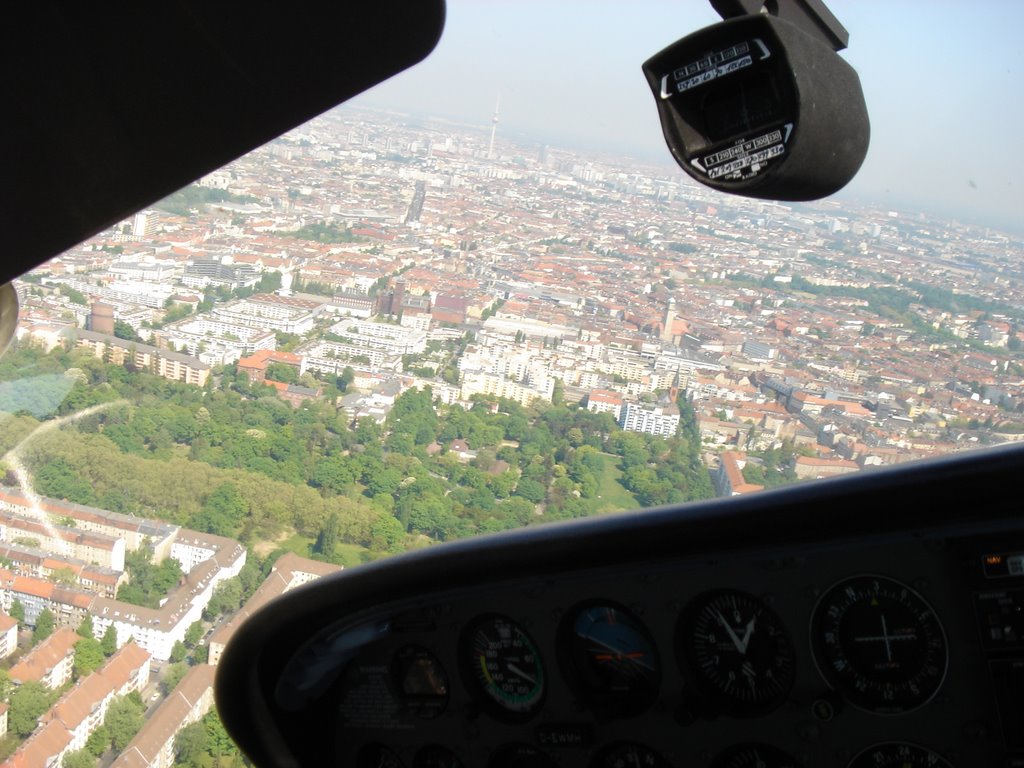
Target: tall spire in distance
column 494, row 128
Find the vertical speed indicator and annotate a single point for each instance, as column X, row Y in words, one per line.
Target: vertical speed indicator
column 502, row 666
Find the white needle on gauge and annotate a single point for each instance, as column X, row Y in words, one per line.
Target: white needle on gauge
column 741, row 645
column 748, row 671
column 516, row 670
column 749, row 631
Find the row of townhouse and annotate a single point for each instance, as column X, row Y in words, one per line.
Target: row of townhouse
column 135, row 531
column 158, row 629
column 153, row 745
column 208, row 560
column 192, row 699
column 50, row 663
column 29, row 561
column 68, row 605
column 81, row 710
column 165, row 363
column 8, row 635
column 42, row 533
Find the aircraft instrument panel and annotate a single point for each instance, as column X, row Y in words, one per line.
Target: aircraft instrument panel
column 901, row 648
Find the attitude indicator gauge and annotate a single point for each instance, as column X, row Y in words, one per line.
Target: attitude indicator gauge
column 502, row 666
column 738, row 650
column 899, row 755
column 612, row 662
column 880, row 644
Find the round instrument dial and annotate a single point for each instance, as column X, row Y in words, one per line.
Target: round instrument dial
column 897, row 754
column 421, row 680
column 629, row 755
column 503, row 667
column 880, row 644
column 738, row 650
column 612, row 660
column 754, row 756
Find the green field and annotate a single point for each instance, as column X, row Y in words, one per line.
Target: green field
column 611, row 496
column 348, row 554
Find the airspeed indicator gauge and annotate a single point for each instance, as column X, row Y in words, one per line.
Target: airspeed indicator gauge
column 738, row 650
column 502, row 666
column 880, row 644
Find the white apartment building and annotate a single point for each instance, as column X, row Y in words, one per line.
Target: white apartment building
column 122, row 291
column 660, row 421
column 605, row 401
column 216, row 342
column 156, row 630
column 394, row 339
column 146, row 270
column 264, row 314
column 334, row 357
column 497, row 386
column 41, row 533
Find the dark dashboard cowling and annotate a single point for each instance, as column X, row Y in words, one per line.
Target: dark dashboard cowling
column 864, row 621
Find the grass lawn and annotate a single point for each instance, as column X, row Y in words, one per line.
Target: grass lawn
column 348, row 554
column 611, row 496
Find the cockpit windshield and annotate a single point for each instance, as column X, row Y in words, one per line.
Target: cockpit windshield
column 479, row 297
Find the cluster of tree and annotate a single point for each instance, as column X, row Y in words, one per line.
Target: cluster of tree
column 173, row 314
column 231, row 594
column 45, row 624
column 27, row 703
column 75, row 296
column 683, row 247
column 90, row 653
column 237, row 461
column 125, row 717
column 323, row 232
column 184, row 200
column 148, row 582
column 287, row 374
column 776, row 467
column 124, row 331
column 39, row 395
column 206, row 743
column 661, row 471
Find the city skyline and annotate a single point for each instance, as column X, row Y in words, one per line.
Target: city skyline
column 937, row 86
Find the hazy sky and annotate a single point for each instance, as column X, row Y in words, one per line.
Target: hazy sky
column 943, row 82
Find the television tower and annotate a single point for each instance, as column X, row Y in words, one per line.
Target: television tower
column 494, row 127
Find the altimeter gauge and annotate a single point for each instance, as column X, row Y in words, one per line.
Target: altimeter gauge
column 879, row 643
column 738, row 651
